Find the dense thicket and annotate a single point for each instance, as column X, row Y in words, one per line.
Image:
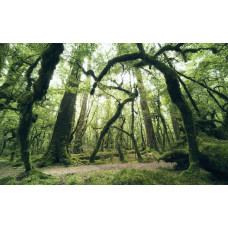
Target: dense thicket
column 65, row 103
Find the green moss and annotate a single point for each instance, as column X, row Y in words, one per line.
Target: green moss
column 199, row 176
column 94, row 178
column 49, row 158
column 32, row 177
column 33, row 174
column 123, row 177
column 5, row 180
column 142, row 177
column 74, row 180
column 214, row 157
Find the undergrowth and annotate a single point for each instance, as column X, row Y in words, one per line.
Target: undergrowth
column 122, row 177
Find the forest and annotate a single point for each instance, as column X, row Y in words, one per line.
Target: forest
column 113, row 113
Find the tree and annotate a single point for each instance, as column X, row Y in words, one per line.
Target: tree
column 57, row 151
column 49, row 60
column 80, row 127
column 151, row 140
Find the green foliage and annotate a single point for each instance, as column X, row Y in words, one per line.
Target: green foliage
column 200, row 176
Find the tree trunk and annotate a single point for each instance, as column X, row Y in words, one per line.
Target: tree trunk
column 132, row 134
column 23, row 132
column 118, row 141
column 80, row 126
column 57, row 151
column 151, row 140
column 163, row 122
column 173, row 87
column 141, row 131
column 173, row 114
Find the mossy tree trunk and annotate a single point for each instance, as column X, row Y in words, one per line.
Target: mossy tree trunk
column 141, row 132
column 150, row 134
column 173, row 114
column 163, row 122
column 173, row 87
column 135, row 144
column 80, row 126
column 57, row 151
column 23, row 132
column 119, row 140
column 49, row 59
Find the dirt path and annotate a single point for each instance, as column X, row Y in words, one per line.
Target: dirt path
column 7, row 170
column 93, row 168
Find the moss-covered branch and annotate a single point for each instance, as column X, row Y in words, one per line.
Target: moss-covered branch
column 112, row 62
column 50, row 59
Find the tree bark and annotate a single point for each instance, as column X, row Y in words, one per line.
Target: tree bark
column 119, row 141
column 151, row 140
column 80, row 126
column 132, row 134
column 173, row 114
column 57, row 151
column 163, row 122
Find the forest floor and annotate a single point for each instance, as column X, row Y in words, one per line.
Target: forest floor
column 151, row 173
column 7, row 170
